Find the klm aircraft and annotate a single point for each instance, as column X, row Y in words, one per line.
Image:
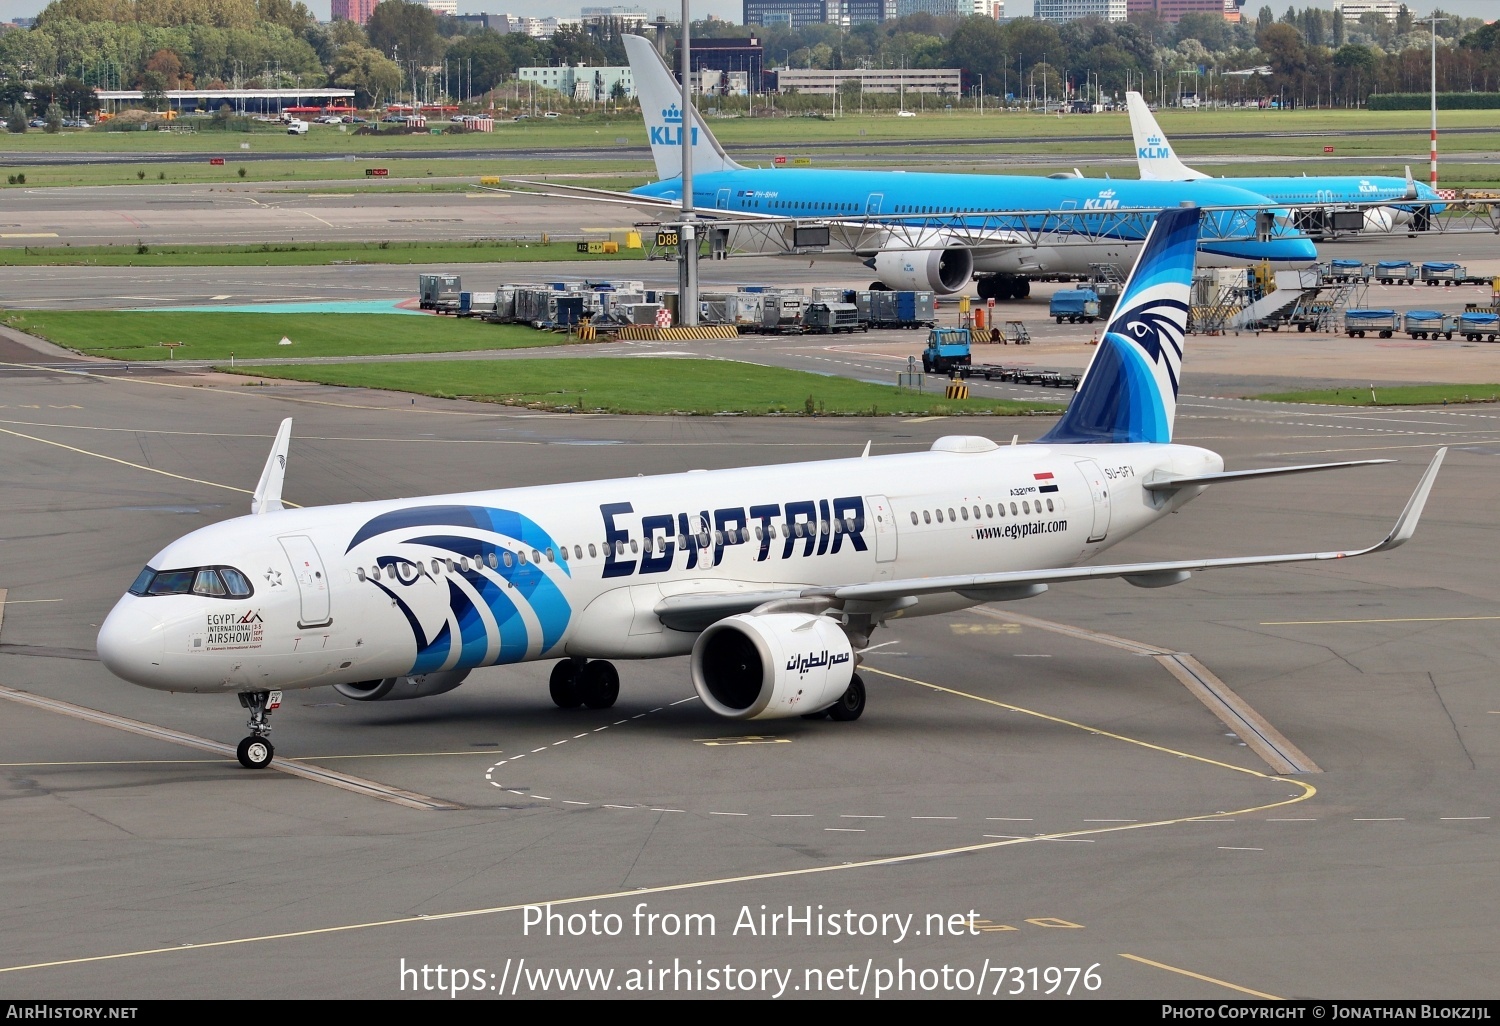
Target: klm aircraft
column 1373, row 202
column 770, row 579
column 939, row 231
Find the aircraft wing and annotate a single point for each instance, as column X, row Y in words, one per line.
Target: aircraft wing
column 654, row 204
column 696, row 611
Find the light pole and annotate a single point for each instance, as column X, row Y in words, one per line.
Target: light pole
column 1432, row 172
column 687, row 265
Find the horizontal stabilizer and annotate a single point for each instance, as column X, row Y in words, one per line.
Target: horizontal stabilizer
column 1169, row 484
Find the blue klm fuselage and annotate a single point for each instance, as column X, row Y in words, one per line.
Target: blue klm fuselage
column 819, row 194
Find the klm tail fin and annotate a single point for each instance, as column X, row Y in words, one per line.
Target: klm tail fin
column 1129, row 392
column 1153, row 152
column 661, row 101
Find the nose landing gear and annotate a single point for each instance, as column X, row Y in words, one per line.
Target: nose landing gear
column 255, row 751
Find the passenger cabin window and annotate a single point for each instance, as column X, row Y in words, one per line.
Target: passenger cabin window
column 207, row 581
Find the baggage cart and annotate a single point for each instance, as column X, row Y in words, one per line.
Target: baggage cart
column 1442, row 272
column 1427, row 324
column 1358, row 323
column 1395, row 272
column 1478, row 326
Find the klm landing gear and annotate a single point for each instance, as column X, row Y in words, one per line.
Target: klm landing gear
column 850, row 706
column 1002, row 287
column 576, row 682
column 255, row 751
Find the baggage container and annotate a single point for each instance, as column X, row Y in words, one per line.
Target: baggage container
column 1442, row 272
column 505, row 305
column 915, row 309
column 1427, row 324
column 830, row 318
column 1358, row 323
column 439, row 291
column 1478, row 326
column 1395, row 272
column 476, row 304
column 1074, row 306
column 1345, row 270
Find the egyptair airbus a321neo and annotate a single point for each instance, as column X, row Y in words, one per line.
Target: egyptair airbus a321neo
column 771, row 579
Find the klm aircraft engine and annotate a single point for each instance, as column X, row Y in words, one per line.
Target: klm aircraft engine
column 772, row 665
column 941, row 271
column 393, row 689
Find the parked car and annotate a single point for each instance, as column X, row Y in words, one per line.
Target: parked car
column 296, row 127
column 551, row 114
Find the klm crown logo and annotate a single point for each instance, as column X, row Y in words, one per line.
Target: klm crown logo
column 1105, row 201
column 670, row 134
column 1156, row 148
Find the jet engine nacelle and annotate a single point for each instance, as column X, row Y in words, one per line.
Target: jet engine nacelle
column 940, row 271
column 394, row 689
column 773, row 665
column 1383, row 219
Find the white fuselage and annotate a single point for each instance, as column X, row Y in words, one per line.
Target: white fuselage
column 374, row 590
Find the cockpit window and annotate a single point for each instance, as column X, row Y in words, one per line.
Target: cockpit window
column 211, row 582
column 207, row 583
column 238, row 583
column 142, row 581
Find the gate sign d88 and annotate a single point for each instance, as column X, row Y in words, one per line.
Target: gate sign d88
column 666, row 239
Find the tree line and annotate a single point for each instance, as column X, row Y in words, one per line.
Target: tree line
column 1312, row 56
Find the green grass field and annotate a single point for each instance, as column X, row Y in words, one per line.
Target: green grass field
column 1391, row 395
column 644, row 386
column 216, row 336
column 990, row 142
column 602, row 130
column 303, row 254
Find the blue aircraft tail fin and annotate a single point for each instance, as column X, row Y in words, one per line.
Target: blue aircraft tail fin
column 1129, row 392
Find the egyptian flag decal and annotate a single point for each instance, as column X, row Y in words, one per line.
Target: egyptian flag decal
column 1045, row 482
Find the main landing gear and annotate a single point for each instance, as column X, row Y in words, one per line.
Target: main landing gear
column 594, row 683
column 255, row 751
column 850, row 706
column 1002, row 286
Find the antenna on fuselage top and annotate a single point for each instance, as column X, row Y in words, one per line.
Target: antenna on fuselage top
column 267, row 497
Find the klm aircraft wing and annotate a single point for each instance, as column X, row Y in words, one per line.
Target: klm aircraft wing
column 654, row 204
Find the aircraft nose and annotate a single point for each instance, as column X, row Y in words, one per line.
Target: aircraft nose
column 131, row 642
